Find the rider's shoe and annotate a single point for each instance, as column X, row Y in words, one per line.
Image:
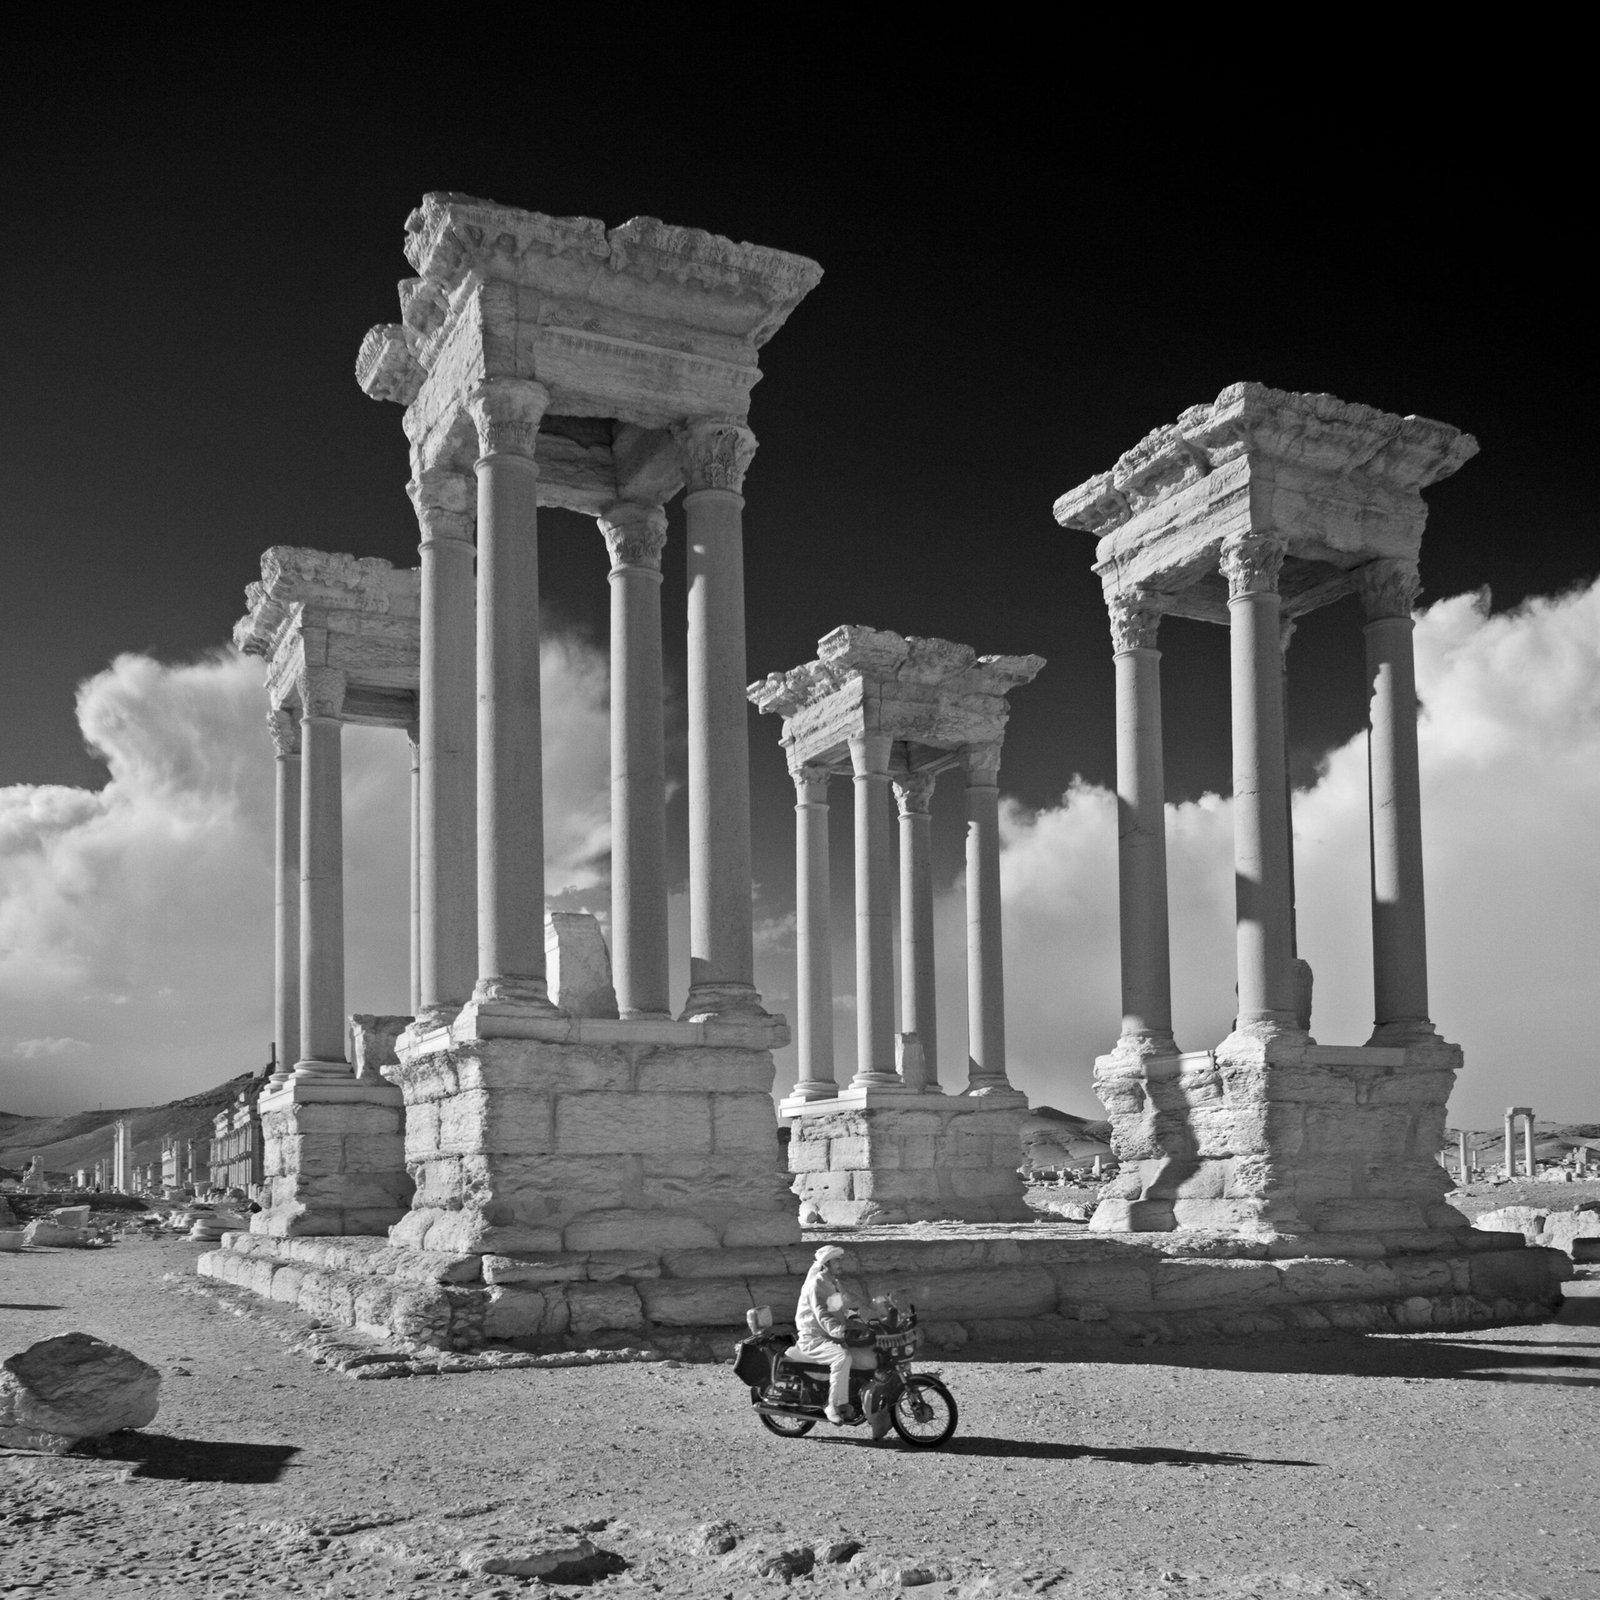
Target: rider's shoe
column 843, row 1418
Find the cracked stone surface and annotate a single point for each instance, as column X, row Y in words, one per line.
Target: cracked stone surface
column 1390, row 1467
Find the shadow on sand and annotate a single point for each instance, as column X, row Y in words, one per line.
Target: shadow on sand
column 159, row 1455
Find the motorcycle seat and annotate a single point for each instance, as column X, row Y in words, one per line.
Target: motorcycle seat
column 796, row 1358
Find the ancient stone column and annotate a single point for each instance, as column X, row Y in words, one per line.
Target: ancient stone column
column 1399, row 931
column 1264, row 917
column 1463, row 1158
column 506, row 412
column 322, row 1047
column 1528, row 1165
column 875, row 1067
column 286, row 910
column 1510, row 1158
column 716, row 455
column 635, row 535
column 813, row 942
column 918, row 1012
column 447, row 724
column 1141, row 827
column 986, row 995
column 414, row 742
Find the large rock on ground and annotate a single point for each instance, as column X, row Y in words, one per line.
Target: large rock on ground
column 74, row 1387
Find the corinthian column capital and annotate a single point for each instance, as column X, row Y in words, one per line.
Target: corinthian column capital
column 446, row 504
column 1251, row 564
column 913, row 793
column 506, row 413
column 1388, row 588
column 716, row 453
column 1135, row 617
column 635, row 534
column 285, row 728
column 810, row 785
column 321, row 692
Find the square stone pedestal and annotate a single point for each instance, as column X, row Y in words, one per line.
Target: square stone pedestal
column 1276, row 1134
column 333, row 1160
column 527, row 1132
column 879, row 1157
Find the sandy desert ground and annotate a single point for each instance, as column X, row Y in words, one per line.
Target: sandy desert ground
column 1426, row 1465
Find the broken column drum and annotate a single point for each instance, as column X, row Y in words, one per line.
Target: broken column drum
column 340, row 640
column 550, row 362
column 892, row 713
column 1251, row 511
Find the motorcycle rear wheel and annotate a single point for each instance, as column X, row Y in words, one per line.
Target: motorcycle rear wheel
column 930, row 1396
column 787, row 1427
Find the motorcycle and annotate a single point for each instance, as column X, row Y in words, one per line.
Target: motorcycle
column 790, row 1394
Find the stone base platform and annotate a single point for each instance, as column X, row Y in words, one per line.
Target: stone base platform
column 333, row 1158
column 580, row 1134
column 1274, row 1133
column 877, row 1157
column 1041, row 1284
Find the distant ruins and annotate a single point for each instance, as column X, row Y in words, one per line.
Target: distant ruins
column 554, row 1148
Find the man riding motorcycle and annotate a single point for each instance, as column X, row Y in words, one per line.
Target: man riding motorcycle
column 820, row 1322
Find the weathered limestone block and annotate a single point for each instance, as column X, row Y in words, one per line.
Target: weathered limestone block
column 372, row 1042
column 1264, row 1137
column 74, row 1387
column 915, row 1159
column 1563, row 1229
column 1526, row 1220
column 578, row 964
column 644, row 1137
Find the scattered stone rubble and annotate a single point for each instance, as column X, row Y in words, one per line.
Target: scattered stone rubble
column 1576, row 1231
column 73, row 1387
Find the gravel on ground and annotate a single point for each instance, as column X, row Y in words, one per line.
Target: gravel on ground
column 1446, row 1465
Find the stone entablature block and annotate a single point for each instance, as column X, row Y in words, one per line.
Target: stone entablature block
column 1337, row 485
column 359, row 618
column 932, row 697
column 632, row 331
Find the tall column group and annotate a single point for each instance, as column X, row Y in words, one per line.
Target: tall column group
column 876, row 1068
column 1269, row 986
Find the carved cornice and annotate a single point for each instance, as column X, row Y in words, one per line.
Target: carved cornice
column 291, row 576
column 913, row 793
column 635, row 534
column 1251, row 564
column 715, row 453
column 386, row 369
column 321, row 692
column 285, row 729
column 506, row 413
column 1388, row 588
column 1135, row 620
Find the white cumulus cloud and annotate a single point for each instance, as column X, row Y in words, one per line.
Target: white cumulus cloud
column 136, row 919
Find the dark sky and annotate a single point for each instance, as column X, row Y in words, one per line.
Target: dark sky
column 1023, row 276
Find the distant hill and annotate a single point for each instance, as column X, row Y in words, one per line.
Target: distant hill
column 79, row 1140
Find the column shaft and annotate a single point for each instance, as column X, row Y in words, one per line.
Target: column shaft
column 286, row 910
column 510, row 754
column 813, row 941
column 635, row 535
column 986, row 996
column 1264, row 916
column 1141, row 830
column 322, row 1037
column 447, row 727
column 1527, row 1145
column 413, row 739
column 1510, row 1155
column 1399, row 925
column 875, row 1066
column 918, row 1007
column 721, row 941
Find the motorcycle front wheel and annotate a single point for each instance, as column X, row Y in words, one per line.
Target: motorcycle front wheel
column 924, row 1413
column 787, row 1427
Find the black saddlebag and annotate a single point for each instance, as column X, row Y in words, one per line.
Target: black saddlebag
column 754, row 1358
